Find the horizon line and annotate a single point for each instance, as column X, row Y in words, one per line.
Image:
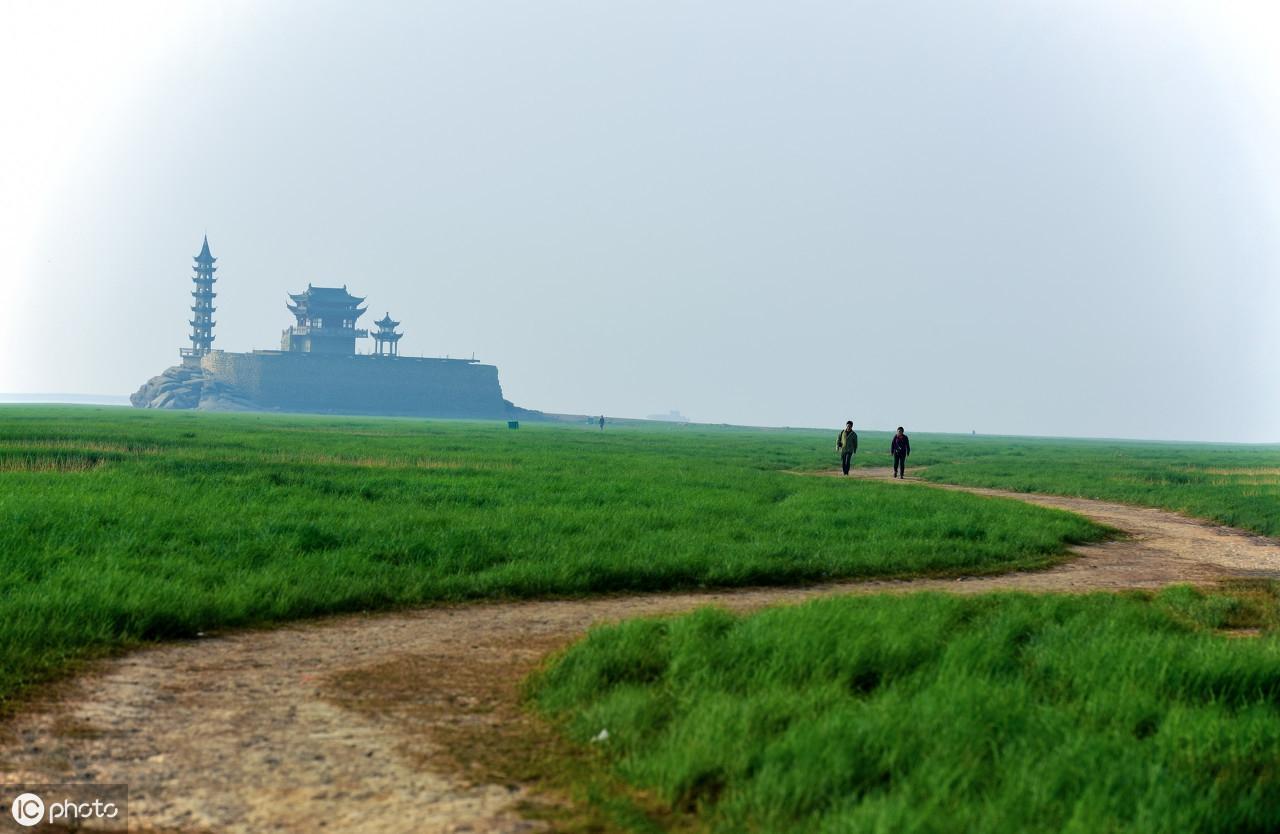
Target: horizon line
column 122, row 400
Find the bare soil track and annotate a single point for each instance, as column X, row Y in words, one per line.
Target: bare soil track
column 352, row 724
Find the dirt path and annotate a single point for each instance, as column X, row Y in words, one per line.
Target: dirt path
column 345, row 724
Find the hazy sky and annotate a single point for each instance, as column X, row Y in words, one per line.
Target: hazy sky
column 1023, row 217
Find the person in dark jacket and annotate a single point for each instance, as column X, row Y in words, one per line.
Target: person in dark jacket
column 900, row 448
column 847, row 445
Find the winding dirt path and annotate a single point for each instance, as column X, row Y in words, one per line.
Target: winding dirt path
column 346, row 724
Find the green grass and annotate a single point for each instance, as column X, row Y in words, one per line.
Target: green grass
column 1234, row 485
column 936, row 713
column 122, row 526
column 896, row 714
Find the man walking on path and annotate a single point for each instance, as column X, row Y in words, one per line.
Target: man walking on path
column 847, row 444
column 601, row 422
column 900, row 447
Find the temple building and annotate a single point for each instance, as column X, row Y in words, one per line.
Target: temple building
column 317, row 368
column 326, row 321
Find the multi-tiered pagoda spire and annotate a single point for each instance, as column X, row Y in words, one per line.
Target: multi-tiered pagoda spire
column 386, row 337
column 202, row 309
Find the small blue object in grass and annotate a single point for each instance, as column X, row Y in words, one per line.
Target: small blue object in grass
column 513, row 424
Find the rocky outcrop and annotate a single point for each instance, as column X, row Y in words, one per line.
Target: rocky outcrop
column 182, row 387
column 176, row 387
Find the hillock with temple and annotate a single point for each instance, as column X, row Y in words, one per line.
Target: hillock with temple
column 317, row 368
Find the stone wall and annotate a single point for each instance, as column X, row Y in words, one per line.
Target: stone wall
column 360, row 384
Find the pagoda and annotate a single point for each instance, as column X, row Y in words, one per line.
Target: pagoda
column 202, row 309
column 326, row 321
column 386, row 337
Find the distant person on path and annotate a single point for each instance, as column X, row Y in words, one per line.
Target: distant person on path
column 601, row 422
column 900, row 447
column 846, row 445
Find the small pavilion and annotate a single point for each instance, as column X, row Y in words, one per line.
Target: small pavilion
column 385, row 338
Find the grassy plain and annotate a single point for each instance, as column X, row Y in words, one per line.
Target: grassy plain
column 937, row 713
column 907, row 713
column 122, row 526
column 1231, row 484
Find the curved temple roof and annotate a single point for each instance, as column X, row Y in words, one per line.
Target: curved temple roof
column 331, row 299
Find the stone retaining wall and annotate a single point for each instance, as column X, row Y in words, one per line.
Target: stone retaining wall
column 360, row 384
